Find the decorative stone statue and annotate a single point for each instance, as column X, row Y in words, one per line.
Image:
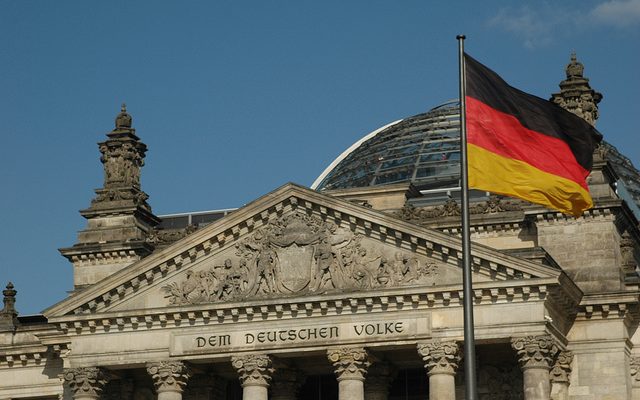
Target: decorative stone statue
column 299, row 254
column 8, row 314
column 576, row 95
column 123, row 120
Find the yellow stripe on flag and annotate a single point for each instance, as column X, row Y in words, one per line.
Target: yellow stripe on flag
column 494, row 173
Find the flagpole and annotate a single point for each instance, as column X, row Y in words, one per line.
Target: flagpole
column 471, row 392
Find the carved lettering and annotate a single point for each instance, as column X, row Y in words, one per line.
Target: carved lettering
column 213, row 341
column 231, row 341
column 380, row 328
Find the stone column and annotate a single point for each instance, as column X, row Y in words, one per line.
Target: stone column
column 441, row 359
column 350, row 365
column 169, row 378
column 255, row 372
column 86, row 383
column 535, row 355
column 286, row 383
column 634, row 370
column 560, row 376
column 379, row 378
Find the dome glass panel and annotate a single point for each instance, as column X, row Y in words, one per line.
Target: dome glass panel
column 423, row 149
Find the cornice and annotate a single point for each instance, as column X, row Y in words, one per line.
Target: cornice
column 619, row 305
column 603, row 210
column 30, row 345
column 291, row 197
column 401, row 299
column 30, row 354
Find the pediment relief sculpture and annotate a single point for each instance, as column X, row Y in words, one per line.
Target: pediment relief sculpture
column 301, row 254
column 493, row 205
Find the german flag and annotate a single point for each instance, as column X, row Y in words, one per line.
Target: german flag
column 523, row 146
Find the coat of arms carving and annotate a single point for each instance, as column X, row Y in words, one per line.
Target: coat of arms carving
column 299, row 254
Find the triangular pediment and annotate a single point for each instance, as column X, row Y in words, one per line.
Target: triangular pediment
column 292, row 243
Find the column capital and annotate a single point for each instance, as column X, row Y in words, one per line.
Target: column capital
column 349, row 362
column 634, row 371
column 440, row 357
column 561, row 370
column 169, row 376
column 535, row 351
column 253, row 369
column 86, row 382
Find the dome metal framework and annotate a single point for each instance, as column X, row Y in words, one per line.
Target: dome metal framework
column 423, row 149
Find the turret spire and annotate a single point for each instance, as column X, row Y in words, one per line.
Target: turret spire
column 576, row 95
column 8, row 314
column 119, row 218
column 123, row 120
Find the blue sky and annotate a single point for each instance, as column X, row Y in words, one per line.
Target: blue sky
column 235, row 98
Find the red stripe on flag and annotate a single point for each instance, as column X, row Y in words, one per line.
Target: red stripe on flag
column 503, row 134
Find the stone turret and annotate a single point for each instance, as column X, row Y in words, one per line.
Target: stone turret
column 576, row 94
column 119, row 218
column 8, row 314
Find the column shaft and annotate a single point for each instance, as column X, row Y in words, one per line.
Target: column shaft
column 169, row 395
column 537, row 385
column 442, row 386
column 350, row 389
column 85, row 397
column 560, row 391
column 536, row 355
column 634, row 371
column 251, row 392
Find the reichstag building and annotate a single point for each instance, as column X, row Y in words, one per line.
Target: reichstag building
column 349, row 290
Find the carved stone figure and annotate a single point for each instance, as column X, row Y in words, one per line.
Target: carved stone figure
column 164, row 237
column 123, row 120
column 417, row 215
column 576, row 95
column 8, row 314
column 299, row 254
column 495, row 204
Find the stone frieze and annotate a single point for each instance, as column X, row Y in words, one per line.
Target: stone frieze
column 493, row 205
column 300, row 254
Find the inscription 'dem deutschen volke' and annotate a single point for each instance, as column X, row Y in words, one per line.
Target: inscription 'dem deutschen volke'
column 300, row 335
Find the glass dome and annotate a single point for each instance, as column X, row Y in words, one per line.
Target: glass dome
column 423, row 149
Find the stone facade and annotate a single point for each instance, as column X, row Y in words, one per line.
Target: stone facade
column 353, row 294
